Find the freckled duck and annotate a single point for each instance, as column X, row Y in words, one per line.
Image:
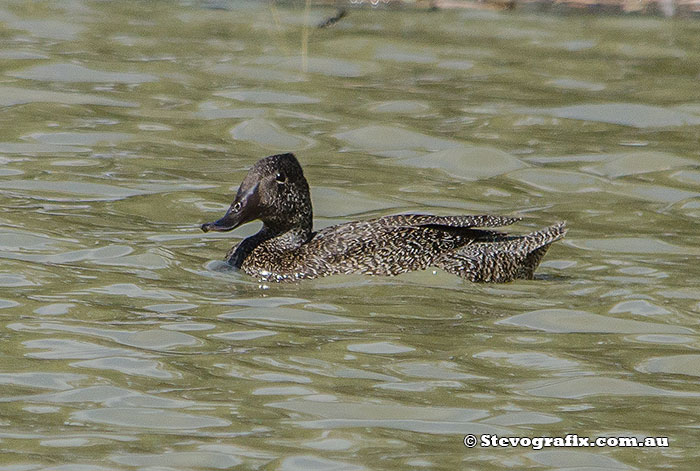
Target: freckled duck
column 286, row 248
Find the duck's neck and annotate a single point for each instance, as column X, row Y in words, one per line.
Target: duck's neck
column 276, row 239
column 290, row 239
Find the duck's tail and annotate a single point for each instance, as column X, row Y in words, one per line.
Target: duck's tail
column 507, row 259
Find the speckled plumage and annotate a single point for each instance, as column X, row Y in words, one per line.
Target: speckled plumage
column 285, row 249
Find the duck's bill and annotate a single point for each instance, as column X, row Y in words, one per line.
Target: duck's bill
column 217, row 226
column 242, row 210
column 229, row 222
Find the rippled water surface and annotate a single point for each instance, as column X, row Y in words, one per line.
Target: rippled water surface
column 126, row 343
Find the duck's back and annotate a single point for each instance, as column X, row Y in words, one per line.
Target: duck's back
column 385, row 246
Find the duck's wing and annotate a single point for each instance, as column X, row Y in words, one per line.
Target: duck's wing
column 385, row 228
column 466, row 222
column 395, row 244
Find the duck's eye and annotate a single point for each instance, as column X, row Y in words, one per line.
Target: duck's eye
column 281, row 178
column 237, row 207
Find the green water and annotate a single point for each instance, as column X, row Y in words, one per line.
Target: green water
column 126, row 344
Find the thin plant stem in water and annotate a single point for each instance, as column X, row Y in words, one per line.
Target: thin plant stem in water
column 278, row 27
column 305, row 37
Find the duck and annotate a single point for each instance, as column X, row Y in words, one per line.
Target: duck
column 287, row 248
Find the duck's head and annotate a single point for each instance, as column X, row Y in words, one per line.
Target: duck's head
column 274, row 191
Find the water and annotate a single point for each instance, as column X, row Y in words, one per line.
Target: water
column 126, row 344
